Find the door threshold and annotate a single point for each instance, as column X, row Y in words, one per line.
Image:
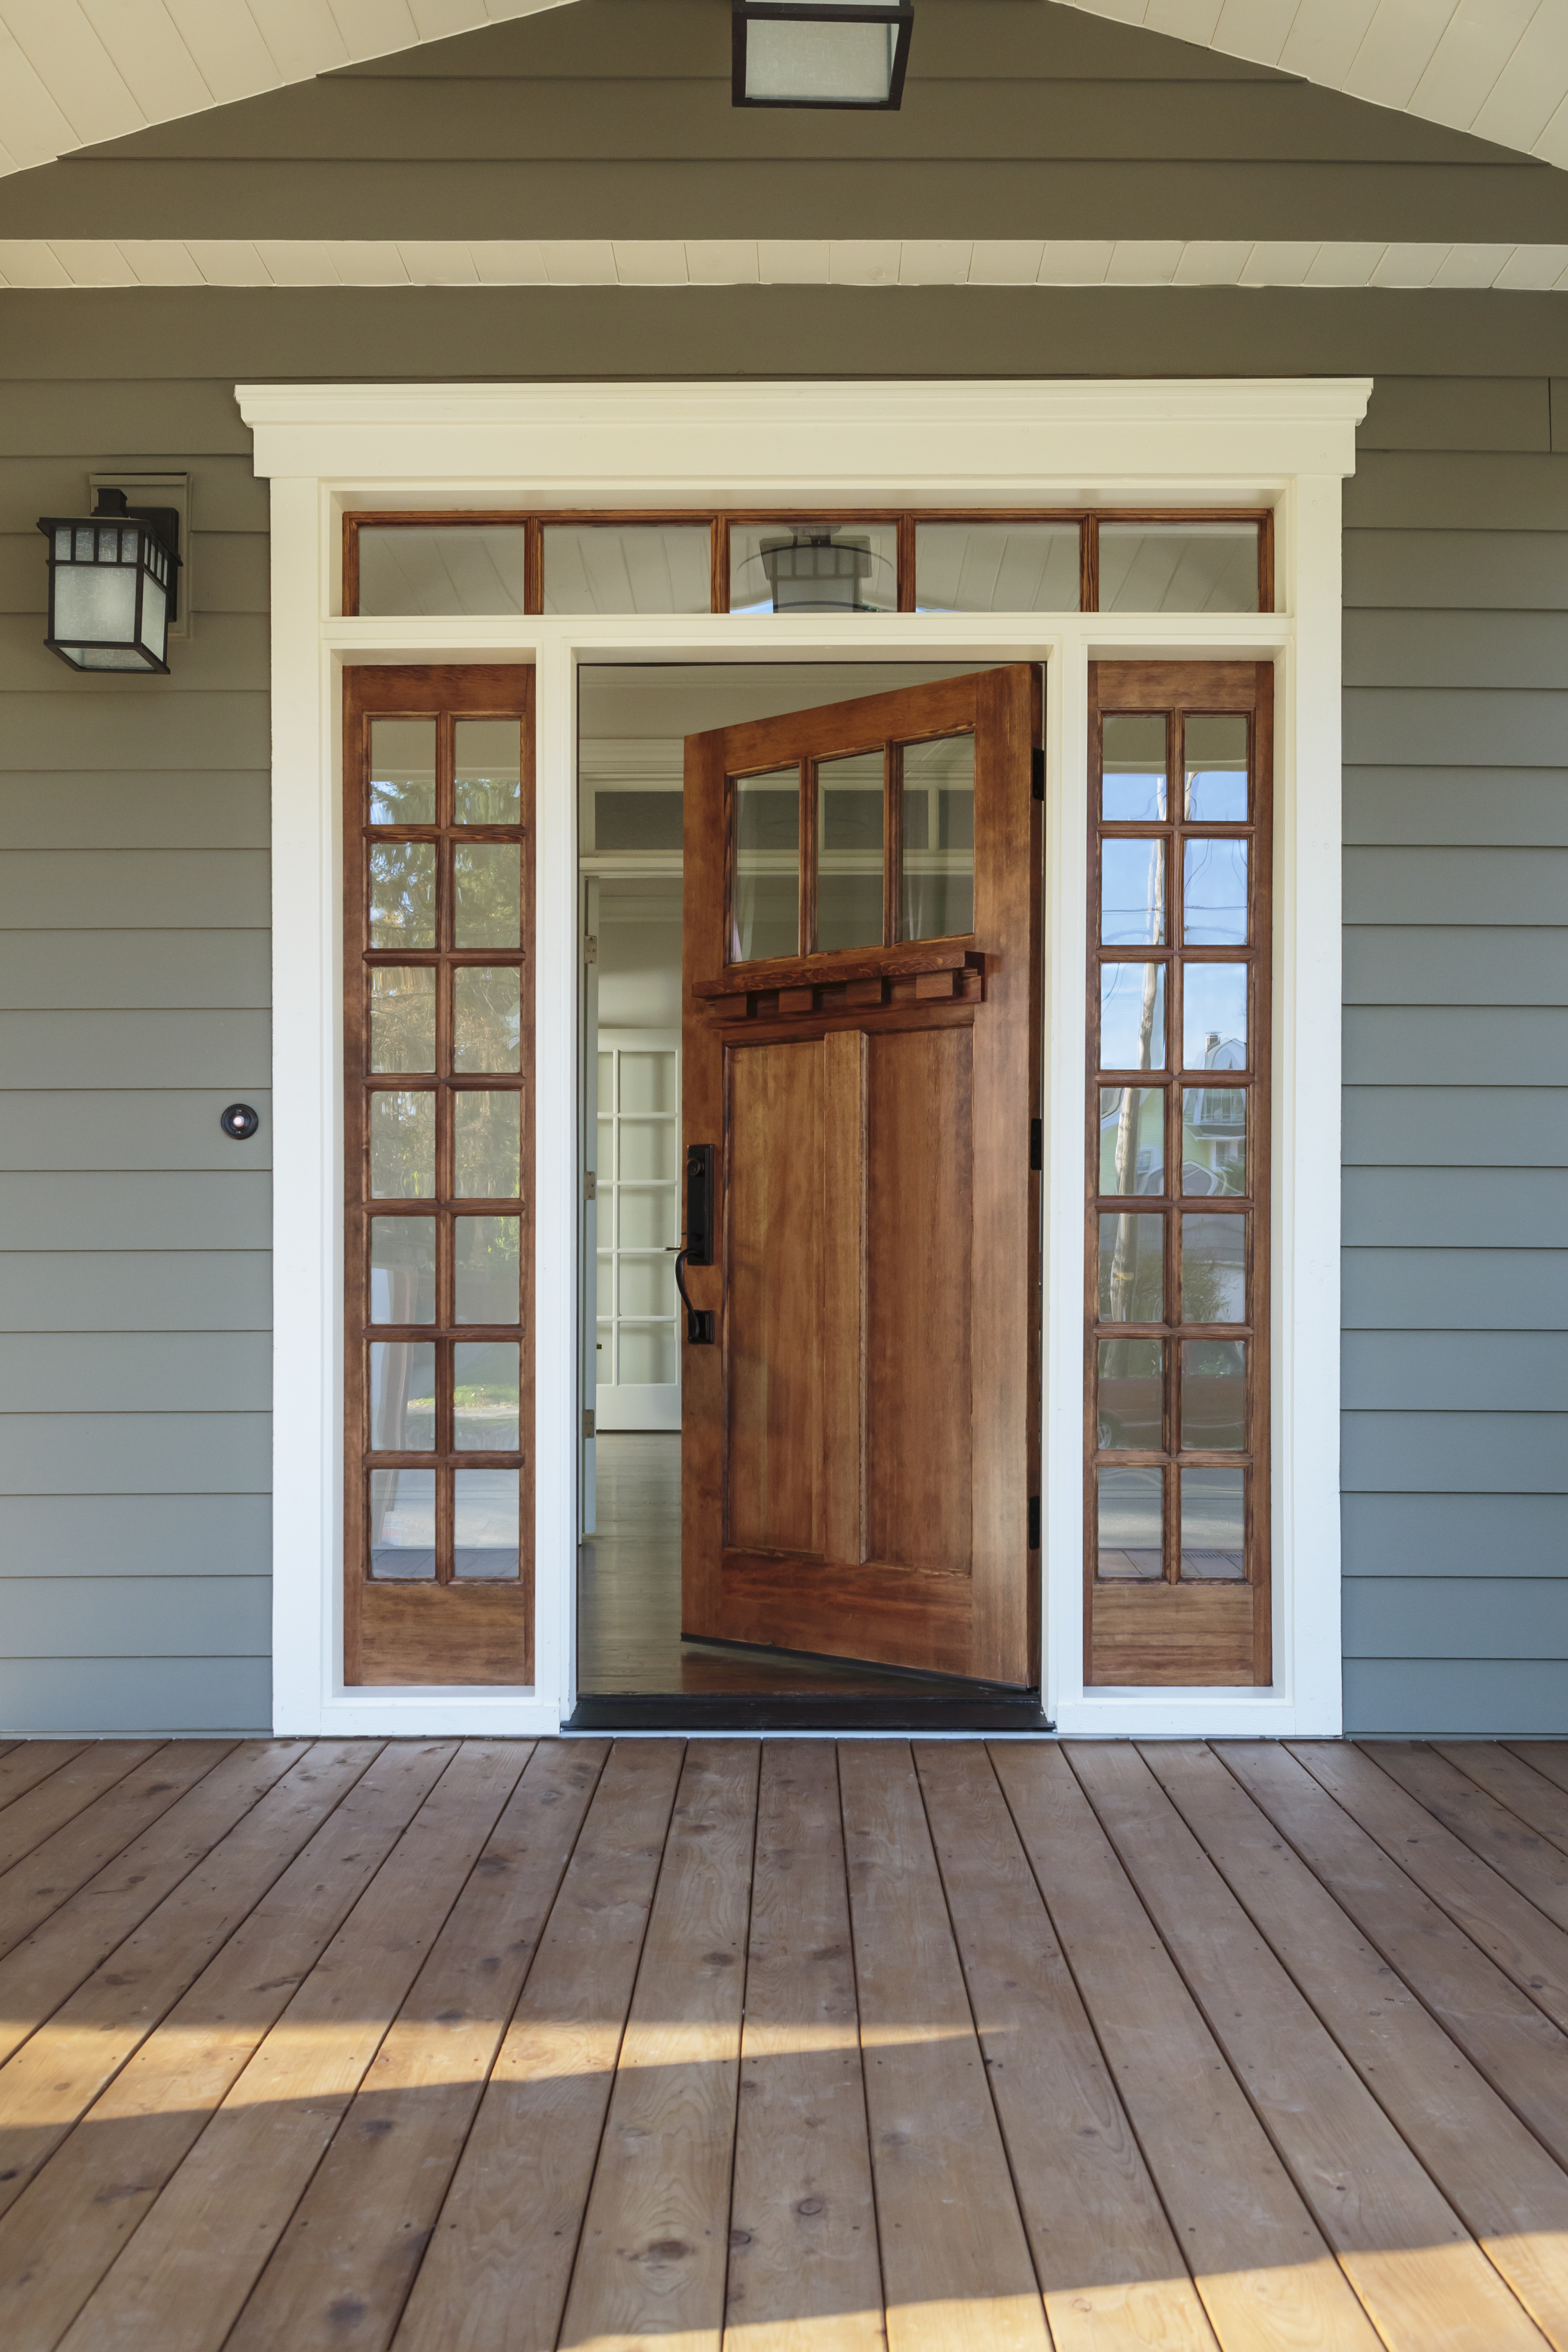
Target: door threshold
column 919, row 1714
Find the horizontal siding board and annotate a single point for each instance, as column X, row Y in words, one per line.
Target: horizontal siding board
column 1455, row 1127
column 135, row 1290
column 134, row 889
column 1458, row 412
column 133, row 727
column 224, row 571
column 59, row 419
column 136, row 1453
column 1456, row 1617
column 1441, row 1207
column 1427, row 490
column 1469, row 727
column 193, row 971
column 1438, row 807
column 1467, row 1046
column 145, row 811
column 1462, row 1453
column 1475, row 570
column 184, row 1209
column 1454, row 966
column 1507, row 649
column 60, row 1695
column 227, row 653
column 1430, row 1371
column 152, row 1617
column 1425, row 1536
column 71, row 1536
column 1455, row 1698
column 228, row 494
column 120, row 1371
column 1454, row 1290
column 1474, row 886
column 114, row 1127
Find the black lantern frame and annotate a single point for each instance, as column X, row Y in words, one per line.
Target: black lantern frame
column 113, row 585
column 896, row 17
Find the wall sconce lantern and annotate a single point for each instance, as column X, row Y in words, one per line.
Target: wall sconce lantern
column 113, row 584
column 821, row 52
column 813, row 571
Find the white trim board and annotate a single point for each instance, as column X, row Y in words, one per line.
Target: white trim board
column 263, row 262
column 1289, row 442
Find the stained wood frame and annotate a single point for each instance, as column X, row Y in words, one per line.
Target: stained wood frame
column 905, row 518
column 442, row 1630
column 1177, row 1632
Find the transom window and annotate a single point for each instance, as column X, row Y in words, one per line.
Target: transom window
column 1210, row 561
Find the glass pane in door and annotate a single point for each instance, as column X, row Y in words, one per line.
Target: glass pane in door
column 937, row 892
column 764, row 899
column 849, row 858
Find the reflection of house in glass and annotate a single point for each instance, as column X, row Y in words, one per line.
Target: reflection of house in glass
column 1213, row 1125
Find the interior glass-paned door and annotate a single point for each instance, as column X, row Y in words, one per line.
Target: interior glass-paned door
column 438, row 1128
column 637, row 1198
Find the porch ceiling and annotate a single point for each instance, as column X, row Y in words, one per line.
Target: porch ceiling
column 76, row 72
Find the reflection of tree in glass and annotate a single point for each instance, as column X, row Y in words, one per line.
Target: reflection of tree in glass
column 403, row 894
column 403, row 1017
column 488, row 911
column 487, row 1145
column 486, row 1017
column 402, row 1146
column 487, row 1270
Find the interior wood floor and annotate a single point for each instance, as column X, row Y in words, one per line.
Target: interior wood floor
column 496, row 2046
column 629, row 1596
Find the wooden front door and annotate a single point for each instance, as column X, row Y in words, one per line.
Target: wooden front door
column 862, row 1077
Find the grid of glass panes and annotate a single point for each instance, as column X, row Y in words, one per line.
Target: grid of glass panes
column 837, row 564
column 638, row 1188
column 870, row 849
column 442, row 1002
column 1177, row 1135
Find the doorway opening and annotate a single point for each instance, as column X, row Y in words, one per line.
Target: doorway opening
column 639, row 1643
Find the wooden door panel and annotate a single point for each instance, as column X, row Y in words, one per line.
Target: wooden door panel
column 858, row 1448
column 919, row 1286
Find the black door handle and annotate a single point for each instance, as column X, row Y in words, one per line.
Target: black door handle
column 698, row 1248
column 698, row 1319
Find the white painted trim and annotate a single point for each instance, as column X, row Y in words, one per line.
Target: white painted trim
column 269, row 262
column 1286, row 442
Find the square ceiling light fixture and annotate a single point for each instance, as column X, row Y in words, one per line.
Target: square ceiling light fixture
column 821, row 52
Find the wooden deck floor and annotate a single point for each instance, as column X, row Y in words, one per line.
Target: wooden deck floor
column 491, row 2047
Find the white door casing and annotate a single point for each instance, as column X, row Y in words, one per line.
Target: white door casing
column 1283, row 442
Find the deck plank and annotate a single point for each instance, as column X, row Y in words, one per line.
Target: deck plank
column 185, row 2274
column 497, row 2273
column 62, row 1864
column 173, row 2033
column 956, row 2267
column 803, row 2269
column 1113, row 2276
column 1536, row 1801
column 1503, row 2185
column 1547, row 1756
column 1266, row 2274
column 343, row 2269
column 1384, row 1859
column 654, row 2236
column 1424, row 2282
column 1531, row 1864
column 31, row 1818
column 28, row 1761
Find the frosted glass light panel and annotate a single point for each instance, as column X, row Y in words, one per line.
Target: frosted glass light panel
column 628, row 568
column 938, row 799
column 818, row 62
column 815, row 568
column 849, row 855
column 1178, row 567
column 996, row 567
column 456, row 568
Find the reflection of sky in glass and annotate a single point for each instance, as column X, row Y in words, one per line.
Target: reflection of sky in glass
column 1216, row 760
column 1214, row 1016
column 1131, row 994
column 1214, row 897
column 1133, row 767
column 1133, row 892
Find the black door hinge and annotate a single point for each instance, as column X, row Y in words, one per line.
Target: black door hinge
column 1037, row 1146
column 1034, row 1523
column 1037, row 772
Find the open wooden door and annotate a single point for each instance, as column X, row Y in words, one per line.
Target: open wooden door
column 861, row 1041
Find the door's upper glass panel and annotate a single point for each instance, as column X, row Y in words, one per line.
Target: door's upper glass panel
column 764, row 913
column 813, row 567
column 849, row 851
column 402, row 771
column 996, row 567
column 628, row 568
column 1215, row 755
column 1178, row 567
column 937, row 894
column 486, row 783
column 449, row 568
column 1132, row 782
